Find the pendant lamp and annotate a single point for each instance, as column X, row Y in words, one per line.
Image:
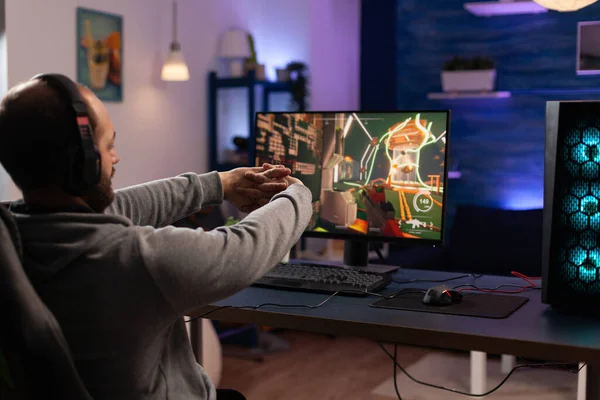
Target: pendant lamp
column 565, row 5
column 175, row 68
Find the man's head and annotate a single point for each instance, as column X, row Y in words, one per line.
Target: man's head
column 36, row 126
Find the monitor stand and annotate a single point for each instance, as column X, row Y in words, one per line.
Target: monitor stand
column 356, row 256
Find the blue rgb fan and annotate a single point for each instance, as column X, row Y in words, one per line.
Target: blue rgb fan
column 580, row 212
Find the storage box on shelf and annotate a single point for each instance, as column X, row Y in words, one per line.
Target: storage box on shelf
column 464, row 78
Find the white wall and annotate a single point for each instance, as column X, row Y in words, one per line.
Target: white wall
column 159, row 125
column 162, row 127
column 335, row 54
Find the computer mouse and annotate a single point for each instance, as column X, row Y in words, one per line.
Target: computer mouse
column 441, row 296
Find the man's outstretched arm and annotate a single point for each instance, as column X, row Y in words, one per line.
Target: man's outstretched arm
column 193, row 267
column 162, row 202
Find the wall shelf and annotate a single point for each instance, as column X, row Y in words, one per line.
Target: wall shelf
column 504, row 7
column 216, row 84
column 454, row 174
column 468, row 95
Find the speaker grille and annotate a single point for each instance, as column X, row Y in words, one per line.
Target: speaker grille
column 579, row 204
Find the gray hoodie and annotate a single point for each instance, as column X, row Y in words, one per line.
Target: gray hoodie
column 119, row 283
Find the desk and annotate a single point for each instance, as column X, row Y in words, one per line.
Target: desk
column 534, row 331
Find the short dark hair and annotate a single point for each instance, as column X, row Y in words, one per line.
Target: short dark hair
column 36, row 124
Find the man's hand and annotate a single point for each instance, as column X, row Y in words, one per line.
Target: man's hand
column 263, row 178
column 250, row 188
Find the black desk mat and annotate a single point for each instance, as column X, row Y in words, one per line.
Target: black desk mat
column 483, row 305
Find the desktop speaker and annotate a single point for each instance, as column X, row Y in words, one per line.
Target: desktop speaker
column 571, row 227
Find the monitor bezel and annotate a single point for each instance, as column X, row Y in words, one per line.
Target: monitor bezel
column 402, row 242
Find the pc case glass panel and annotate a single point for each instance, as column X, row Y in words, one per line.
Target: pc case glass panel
column 578, row 204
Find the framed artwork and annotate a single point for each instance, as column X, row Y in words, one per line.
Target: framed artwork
column 588, row 48
column 100, row 53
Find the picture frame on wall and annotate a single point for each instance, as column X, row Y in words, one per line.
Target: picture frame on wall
column 588, row 48
column 100, row 53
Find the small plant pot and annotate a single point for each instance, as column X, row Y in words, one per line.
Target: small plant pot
column 283, row 75
column 469, row 81
column 259, row 70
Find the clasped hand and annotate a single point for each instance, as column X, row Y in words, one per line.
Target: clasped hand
column 251, row 188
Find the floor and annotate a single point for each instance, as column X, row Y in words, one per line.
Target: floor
column 315, row 367
column 327, row 368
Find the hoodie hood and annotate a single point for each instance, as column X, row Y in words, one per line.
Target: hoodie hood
column 52, row 239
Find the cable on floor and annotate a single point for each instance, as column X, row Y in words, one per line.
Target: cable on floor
column 397, row 365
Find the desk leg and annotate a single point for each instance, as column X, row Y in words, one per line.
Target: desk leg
column 196, row 338
column 592, row 385
column 478, row 372
column 507, row 363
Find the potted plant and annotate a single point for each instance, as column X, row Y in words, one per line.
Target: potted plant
column 298, row 85
column 469, row 75
column 251, row 63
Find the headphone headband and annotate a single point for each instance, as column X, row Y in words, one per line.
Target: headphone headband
column 83, row 159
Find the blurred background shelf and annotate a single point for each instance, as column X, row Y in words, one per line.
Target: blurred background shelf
column 504, row 7
column 468, row 95
column 256, row 89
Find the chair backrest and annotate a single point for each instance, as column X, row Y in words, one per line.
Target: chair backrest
column 39, row 359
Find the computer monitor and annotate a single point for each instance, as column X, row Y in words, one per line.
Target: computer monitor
column 374, row 176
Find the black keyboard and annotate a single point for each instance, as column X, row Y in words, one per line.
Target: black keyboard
column 323, row 279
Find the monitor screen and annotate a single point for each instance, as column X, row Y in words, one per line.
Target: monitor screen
column 376, row 176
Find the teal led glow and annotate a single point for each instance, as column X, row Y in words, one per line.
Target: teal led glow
column 589, row 170
column 579, row 153
column 586, row 263
column 570, row 204
column 589, row 205
column 573, row 168
column 590, row 136
column 580, row 221
column 588, row 274
column 595, row 223
column 579, row 254
column 587, row 240
column 595, row 188
column 573, row 137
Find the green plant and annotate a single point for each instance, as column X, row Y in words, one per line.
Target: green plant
column 299, row 85
column 458, row 63
column 252, row 59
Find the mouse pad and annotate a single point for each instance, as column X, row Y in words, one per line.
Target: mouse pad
column 481, row 305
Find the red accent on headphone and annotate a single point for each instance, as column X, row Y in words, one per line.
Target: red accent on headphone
column 83, row 121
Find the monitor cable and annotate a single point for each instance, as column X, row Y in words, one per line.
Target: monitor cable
column 397, row 366
column 393, row 295
column 519, row 288
column 471, row 286
column 383, row 261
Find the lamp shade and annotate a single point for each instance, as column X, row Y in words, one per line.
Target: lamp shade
column 565, row 5
column 234, row 44
column 175, row 68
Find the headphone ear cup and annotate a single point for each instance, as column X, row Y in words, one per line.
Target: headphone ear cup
column 73, row 173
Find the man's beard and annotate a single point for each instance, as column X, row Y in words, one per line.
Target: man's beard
column 101, row 196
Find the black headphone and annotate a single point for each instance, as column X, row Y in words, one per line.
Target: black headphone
column 82, row 163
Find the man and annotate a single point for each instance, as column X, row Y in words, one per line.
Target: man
column 117, row 276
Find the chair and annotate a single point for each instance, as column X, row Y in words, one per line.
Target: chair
column 31, row 339
column 39, row 360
